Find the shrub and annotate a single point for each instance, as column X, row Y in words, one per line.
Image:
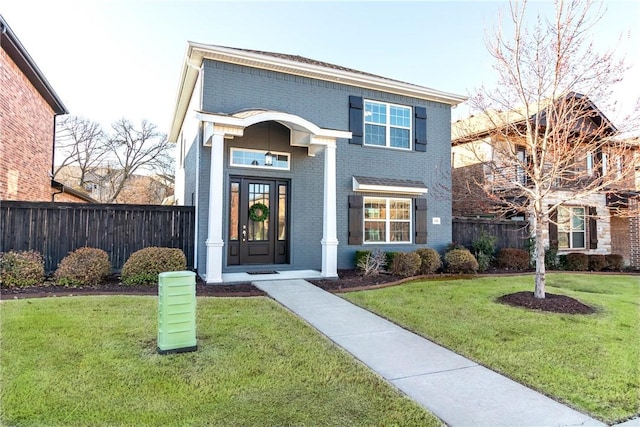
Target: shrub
column 83, row 267
column 359, row 255
column 143, row 266
column 513, row 259
column 597, row 262
column 453, row 245
column 562, row 262
column 484, row 248
column 406, row 264
column 615, row 262
column 460, row 261
column 371, row 263
column 551, row 260
column 389, row 256
column 431, row 260
column 577, row 261
column 19, row 269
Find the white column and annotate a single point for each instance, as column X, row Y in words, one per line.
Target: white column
column 329, row 227
column 214, row 240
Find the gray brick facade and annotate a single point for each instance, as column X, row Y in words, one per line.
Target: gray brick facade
column 229, row 88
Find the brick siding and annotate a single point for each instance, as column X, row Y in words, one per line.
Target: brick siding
column 26, row 132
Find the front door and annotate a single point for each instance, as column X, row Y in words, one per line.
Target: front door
column 258, row 221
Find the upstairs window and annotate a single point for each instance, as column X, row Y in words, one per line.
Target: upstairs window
column 387, row 125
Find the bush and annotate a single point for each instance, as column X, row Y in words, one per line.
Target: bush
column 484, row 248
column 460, row 261
column 577, row 261
column 19, row 269
column 389, row 257
column 453, row 245
column 597, row 262
column 562, row 262
column 143, row 266
column 615, row 262
column 406, row 264
column 431, row 260
column 371, row 263
column 513, row 259
column 551, row 260
column 358, row 256
column 83, row 267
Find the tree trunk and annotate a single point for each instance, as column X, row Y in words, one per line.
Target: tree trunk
column 539, row 260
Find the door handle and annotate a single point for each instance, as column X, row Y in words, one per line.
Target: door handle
column 244, row 233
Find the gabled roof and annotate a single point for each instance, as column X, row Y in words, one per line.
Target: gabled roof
column 290, row 64
column 18, row 54
column 476, row 127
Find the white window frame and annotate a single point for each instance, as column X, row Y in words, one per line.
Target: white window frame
column 388, row 125
column 387, row 220
column 262, row 155
column 562, row 228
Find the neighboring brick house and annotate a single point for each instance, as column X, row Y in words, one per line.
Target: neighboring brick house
column 603, row 222
column 294, row 164
column 28, row 107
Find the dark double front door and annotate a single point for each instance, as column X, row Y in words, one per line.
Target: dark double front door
column 258, row 221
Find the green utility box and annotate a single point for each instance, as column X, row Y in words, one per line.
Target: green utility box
column 177, row 312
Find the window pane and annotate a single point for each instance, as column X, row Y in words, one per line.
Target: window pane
column 400, row 138
column 258, row 230
column 577, row 220
column 563, row 240
column 399, row 116
column 234, row 211
column 282, row 212
column 375, row 113
column 375, row 209
column 375, row 135
column 400, row 209
column 563, row 219
column 578, row 240
column 399, row 231
column 374, row 231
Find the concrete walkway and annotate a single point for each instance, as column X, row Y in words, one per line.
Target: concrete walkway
column 458, row 391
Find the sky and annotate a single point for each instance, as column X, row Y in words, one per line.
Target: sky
column 112, row 59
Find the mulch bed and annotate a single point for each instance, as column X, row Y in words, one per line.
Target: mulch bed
column 348, row 280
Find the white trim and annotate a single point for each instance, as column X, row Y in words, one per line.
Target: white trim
column 387, row 125
column 371, row 188
column 197, row 52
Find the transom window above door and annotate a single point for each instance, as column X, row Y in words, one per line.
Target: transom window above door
column 387, row 125
column 248, row 158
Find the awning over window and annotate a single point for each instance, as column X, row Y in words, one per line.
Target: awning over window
column 388, row 185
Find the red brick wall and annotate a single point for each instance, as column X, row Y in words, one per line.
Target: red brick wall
column 26, row 137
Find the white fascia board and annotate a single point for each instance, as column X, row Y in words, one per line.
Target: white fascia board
column 370, row 188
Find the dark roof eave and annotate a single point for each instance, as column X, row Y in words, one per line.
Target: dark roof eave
column 27, row 65
column 65, row 189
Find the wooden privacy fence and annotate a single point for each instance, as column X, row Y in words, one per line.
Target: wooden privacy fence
column 55, row 229
column 510, row 234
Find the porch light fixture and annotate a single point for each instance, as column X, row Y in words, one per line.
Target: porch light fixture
column 268, row 159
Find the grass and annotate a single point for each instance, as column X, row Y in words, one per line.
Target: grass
column 591, row 362
column 86, row 361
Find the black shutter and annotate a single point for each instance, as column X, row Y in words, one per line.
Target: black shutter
column 593, row 228
column 356, row 119
column 356, row 219
column 420, row 128
column 420, row 221
column 553, row 229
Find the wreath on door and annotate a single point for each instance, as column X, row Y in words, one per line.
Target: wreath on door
column 258, row 212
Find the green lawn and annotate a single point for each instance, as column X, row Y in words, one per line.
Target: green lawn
column 591, row 362
column 92, row 361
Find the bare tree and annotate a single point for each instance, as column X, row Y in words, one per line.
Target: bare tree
column 543, row 122
column 79, row 142
column 133, row 150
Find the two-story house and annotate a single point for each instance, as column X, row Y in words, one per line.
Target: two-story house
column 294, row 164
column 28, row 107
column 592, row 179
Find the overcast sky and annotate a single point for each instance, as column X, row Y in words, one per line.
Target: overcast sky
column 122, row 58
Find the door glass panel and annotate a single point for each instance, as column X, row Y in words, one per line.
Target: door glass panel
column 258, row 230
column 282, row 212
column 234, row 210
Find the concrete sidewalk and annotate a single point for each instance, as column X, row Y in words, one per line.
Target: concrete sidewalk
column 458, row 391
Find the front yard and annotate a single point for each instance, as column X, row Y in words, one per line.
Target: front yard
column 590, row 362
column 92, row 361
